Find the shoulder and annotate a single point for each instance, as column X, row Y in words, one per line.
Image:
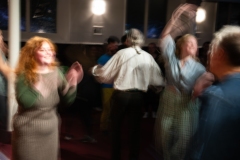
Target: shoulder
column 214, row 90
column 147, row 55
column 20, row 84
column 124, row 52
column 102, row 59
column 20, row 78
column 59, row 72
column 213, row 98
column 103, row 56
column 197, row 67
column 130, row 51
column 223, row 93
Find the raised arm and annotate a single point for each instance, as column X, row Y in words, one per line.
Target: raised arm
column 4, row 67
column 181, row 20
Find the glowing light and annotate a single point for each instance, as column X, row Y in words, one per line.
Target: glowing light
column 98, row 7
column 201, row 15
column 41, row 31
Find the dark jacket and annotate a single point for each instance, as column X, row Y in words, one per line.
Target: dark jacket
column 218, row 135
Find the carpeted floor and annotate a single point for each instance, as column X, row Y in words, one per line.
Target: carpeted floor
column 74, row 149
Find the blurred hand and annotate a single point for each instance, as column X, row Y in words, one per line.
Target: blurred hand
column 156, row 89
column 74, row 74
column 186, row 9
column 90, row 71
column 204, row 81
column 181, row 20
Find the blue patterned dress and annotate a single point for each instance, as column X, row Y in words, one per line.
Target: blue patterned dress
column 177, row 115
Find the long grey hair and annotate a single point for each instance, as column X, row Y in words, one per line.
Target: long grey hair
column 135, row 38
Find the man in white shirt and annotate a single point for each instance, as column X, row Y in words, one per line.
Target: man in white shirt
column 132, row 71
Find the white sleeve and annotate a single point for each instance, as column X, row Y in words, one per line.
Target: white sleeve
column 108, row 72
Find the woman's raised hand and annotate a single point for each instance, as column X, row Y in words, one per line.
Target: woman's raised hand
column 75, row 74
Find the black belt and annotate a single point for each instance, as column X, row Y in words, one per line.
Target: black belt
column 131, row 90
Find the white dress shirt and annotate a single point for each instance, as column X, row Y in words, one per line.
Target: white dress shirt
column 128, row 70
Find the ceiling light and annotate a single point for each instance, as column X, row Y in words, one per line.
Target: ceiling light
column 98, row 7
column 201, row 15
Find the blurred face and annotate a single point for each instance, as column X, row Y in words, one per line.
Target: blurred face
column 45, row 54
column 151, row 48
column 127, row 43
column 112, row 48
column 190, row 46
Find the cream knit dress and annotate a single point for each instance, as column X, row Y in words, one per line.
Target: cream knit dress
column 36, row 124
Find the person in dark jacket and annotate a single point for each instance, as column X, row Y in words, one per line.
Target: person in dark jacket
column 217, row 137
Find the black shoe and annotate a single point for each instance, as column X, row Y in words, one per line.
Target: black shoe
column 68, row 137
column 88, row 139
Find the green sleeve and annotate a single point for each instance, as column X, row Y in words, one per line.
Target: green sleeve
column 26, row 96
column 71, row 94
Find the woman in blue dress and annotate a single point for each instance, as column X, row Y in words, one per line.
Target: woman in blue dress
column 178, row 111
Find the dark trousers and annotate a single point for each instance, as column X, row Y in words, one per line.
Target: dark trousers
column 126, row 104
column 152, row 99
column 3, row 112
column 85, row 111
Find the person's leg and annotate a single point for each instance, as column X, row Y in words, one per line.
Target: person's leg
column 85, row 112
column 185, row 125
column 86, row 99
column 164, row 124
column 155, row 103
column 134, row 112
column 118, row 106
column 146, row 105
column 105, row 116
column 3, row 112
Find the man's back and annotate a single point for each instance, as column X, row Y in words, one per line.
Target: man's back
column 129, row 69
column 218, row 136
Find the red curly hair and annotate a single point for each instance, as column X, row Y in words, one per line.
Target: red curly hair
column 27, row 62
